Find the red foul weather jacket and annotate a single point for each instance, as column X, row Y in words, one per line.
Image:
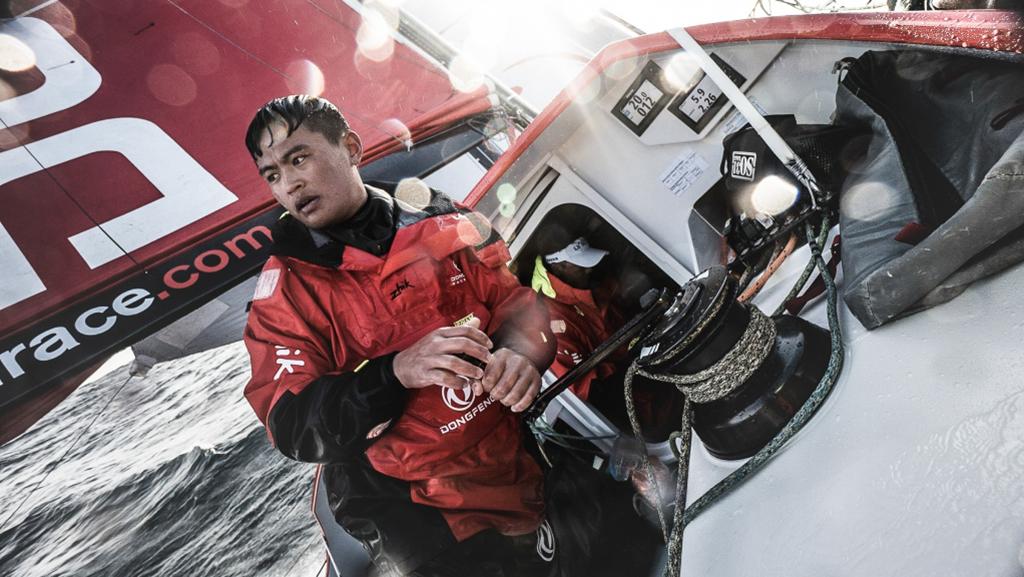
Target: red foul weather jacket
column 408, row 472
column 579, row 326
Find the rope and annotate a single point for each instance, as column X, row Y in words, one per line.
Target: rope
column 777, row 260
column 683, row 515
column 543, row 432
column 731, row 370
column 806, row 274
column 634, row 421
column 705, row 386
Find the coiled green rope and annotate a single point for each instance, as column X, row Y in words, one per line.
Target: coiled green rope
column 684, row 515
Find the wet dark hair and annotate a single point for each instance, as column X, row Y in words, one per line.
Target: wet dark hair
column 318, row 114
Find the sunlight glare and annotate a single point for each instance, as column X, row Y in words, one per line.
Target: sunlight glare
column 305, row 77
column 397, row 129
column 682, row 71
column 15, row 55
column 579, row 13
column 375, row 35
column 506, row 193
column 413, row 192
column 773, row 195
column 466, row 75
column 624, row 68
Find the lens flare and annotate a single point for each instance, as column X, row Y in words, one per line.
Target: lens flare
column 396, row 129
column 773, row 195
column 375, row 35
column 588, row 93
column 63, row 21
column 15, row 55
column 304, row 77
column 465, row 74
column 7, row 91
column 170, row 84
column 376, row 71
column 506, row 193
column 624, row 68
column 378, row 53
column 473, row 229
column 413, row 192
column 195, row 53
column 14, row 136
column 682, row 71
column 579, row 13
column 868, row 200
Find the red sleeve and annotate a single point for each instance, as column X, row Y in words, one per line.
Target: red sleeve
column 577, row 340
column 312, row 411
column 286, row 354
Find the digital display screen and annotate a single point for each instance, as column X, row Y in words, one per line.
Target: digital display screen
column 698, row 104
column 646, row 96
column 700, row 100
column 640, row 105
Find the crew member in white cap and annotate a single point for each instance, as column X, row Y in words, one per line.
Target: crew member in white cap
column 578, row 297
column 579, row 321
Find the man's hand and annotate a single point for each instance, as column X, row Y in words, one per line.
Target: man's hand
column 432, row 360
column 511, row 379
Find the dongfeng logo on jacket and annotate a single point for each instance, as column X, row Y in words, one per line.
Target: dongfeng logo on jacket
column 458, row 399
column 457, row 277
column 463, row 402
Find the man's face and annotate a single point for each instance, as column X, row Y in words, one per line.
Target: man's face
column 316, row 181
column 573, row 275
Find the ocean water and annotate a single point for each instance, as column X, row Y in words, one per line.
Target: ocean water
column 175, row 477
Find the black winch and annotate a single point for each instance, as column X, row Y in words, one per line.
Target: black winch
column 745, row 374
column 702, row 338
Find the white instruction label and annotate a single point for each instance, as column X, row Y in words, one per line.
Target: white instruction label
column 737, row 121
column 685, row 170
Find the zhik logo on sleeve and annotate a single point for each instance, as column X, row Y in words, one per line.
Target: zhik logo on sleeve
column 286, row 362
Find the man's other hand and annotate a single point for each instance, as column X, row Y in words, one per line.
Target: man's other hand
column 511, row 379
column 432, row 360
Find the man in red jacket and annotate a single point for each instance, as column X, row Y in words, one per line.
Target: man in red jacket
column 583, row 315
column 579, row 321
column 391, row 343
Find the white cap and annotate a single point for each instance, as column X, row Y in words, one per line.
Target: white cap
column 579, row 252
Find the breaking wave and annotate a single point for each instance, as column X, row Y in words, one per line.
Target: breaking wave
column 175, row 477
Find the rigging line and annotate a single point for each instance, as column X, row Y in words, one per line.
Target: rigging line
column 577, row 437
column 270, row 66
column 353, row 113
column 71, row 197
column 229, row 41
column 394, row 33
column 573, row 448
column 36, row 9
column 53, row 466
column 609, row 15
column 547, row 430
column 301, row 557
